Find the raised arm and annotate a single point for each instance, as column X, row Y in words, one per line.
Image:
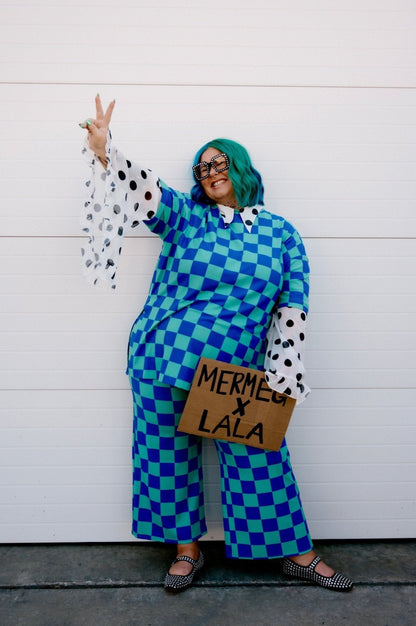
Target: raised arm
column 118, row 198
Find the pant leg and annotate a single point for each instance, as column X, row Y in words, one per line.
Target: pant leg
column 168, row 500
column 262, row 510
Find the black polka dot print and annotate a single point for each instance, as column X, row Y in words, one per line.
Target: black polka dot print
column 285, row 342
column 248, row 215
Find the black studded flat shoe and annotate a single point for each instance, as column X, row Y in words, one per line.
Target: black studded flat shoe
column 178, row 582
column 337, row 582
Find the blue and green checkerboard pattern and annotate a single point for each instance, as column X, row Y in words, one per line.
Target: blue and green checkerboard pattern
column 214, row 289
column 262, row 511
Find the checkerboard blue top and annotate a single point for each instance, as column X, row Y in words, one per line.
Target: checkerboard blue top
column 228, row 286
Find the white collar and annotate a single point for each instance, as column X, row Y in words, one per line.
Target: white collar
column 248, row 215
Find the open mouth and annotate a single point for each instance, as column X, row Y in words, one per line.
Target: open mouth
column 218, row 183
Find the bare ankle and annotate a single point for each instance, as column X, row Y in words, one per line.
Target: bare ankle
column 190, row 549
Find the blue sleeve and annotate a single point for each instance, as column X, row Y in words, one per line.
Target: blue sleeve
column 174, row 213
column 295, row 287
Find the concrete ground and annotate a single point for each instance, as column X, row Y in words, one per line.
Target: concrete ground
column 122, row 584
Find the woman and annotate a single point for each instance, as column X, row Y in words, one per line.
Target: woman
column 231, row 283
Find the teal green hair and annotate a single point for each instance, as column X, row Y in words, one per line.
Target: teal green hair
column 246, row 180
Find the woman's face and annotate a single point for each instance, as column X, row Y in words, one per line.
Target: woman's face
column 218, row 186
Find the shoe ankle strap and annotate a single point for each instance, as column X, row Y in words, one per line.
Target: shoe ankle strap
column 314, row 563
column 186, row 558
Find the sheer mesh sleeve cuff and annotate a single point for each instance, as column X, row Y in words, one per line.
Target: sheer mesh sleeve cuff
column 118, row 198
column 284, row 360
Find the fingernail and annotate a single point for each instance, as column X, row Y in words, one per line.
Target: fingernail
column 82, row 124
column 98, row 95
column 89, row 122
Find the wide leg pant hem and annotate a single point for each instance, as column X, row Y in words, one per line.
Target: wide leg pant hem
column 229, row 554
column 164, row 540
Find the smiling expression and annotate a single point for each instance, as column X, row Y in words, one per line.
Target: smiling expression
column 218, row 186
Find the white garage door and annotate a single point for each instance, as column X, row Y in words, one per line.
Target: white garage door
column 324, row 100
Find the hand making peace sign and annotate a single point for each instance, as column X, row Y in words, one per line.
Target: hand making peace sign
column 98, row 128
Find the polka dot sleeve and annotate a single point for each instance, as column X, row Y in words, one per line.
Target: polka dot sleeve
column 284, row 360
column 118, row 199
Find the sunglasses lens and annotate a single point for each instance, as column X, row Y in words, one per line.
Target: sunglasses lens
column 201, row 171
column 221, row 163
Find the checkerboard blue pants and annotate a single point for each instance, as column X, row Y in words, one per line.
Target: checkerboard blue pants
column 262, row 511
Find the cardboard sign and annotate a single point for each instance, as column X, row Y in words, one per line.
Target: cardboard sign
column 236, row 404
